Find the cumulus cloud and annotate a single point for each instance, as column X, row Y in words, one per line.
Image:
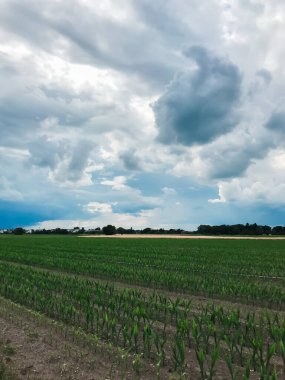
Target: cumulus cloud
column 47, row 153
column 117, row 183
column 130, row 160
column 276, row 122
column 265, row 75
column 199, row 104
column 84, row 35
column 97, row 207
column 126, row 220
column 128, row 196
column 79, row 160
column 227, row 157
column 231, row 156
column 263, row 182
column 67, row 163
column 105, row 95
column 8, row 192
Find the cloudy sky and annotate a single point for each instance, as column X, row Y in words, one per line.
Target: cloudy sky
column 166, row 113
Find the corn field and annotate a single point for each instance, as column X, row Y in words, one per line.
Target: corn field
column 192, row 309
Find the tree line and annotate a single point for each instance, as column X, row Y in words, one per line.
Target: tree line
column 203, row 229
column 240, row 229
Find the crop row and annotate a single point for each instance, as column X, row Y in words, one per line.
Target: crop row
column 260, row 258
column 164, row 331
column 185, row 270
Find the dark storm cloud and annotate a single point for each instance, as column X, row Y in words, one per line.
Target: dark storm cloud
column 66, row 161
column 276, row 122
column 130, row 160
column 160, row 18
column 233, row 159
column 45, row 153
column 199, row 105
column 22, row 115
column 79, row 160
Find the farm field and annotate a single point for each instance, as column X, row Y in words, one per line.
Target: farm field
column 142, row 308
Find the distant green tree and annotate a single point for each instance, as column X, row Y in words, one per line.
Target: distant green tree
column 266, row 230
column 278, row 230
column 19, row 231
column 147, row 230
column 121, row 230
column 109, row 230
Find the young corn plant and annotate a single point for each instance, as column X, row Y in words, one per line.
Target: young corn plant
column 270, row 352
column 196, row 332
column 246, row 374
column 135, row 335
column 239, row 344
column 123, row 361
column 205, row 335
column 158, row 366
column 147, row 339
column 137, row 364
column 282, row 350
column 230, row 341
column 233, row 373
column 183, row 329
column 214, row 358
column 257, row 354
column 201, row 357
column 160, row 342
column 126, row 341
column 178, row 351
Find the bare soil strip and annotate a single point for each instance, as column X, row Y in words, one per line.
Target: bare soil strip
column 33, row 346
column 32, row 351
column 166, row 236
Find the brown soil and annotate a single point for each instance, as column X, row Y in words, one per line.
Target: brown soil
column 35, row 347
column 37, row 352
column 33, row 351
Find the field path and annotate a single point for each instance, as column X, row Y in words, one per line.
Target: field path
column 166, row 236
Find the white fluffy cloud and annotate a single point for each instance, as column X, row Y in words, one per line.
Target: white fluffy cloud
column 97, row 207
column 105, row 216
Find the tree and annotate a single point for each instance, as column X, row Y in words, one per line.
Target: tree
column 278, row 230
column 121, row 230
column 109, row 230
column 266, row 230
column 147, row 230
column 19, row 231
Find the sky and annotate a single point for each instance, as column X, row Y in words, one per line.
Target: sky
column 166, row 113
